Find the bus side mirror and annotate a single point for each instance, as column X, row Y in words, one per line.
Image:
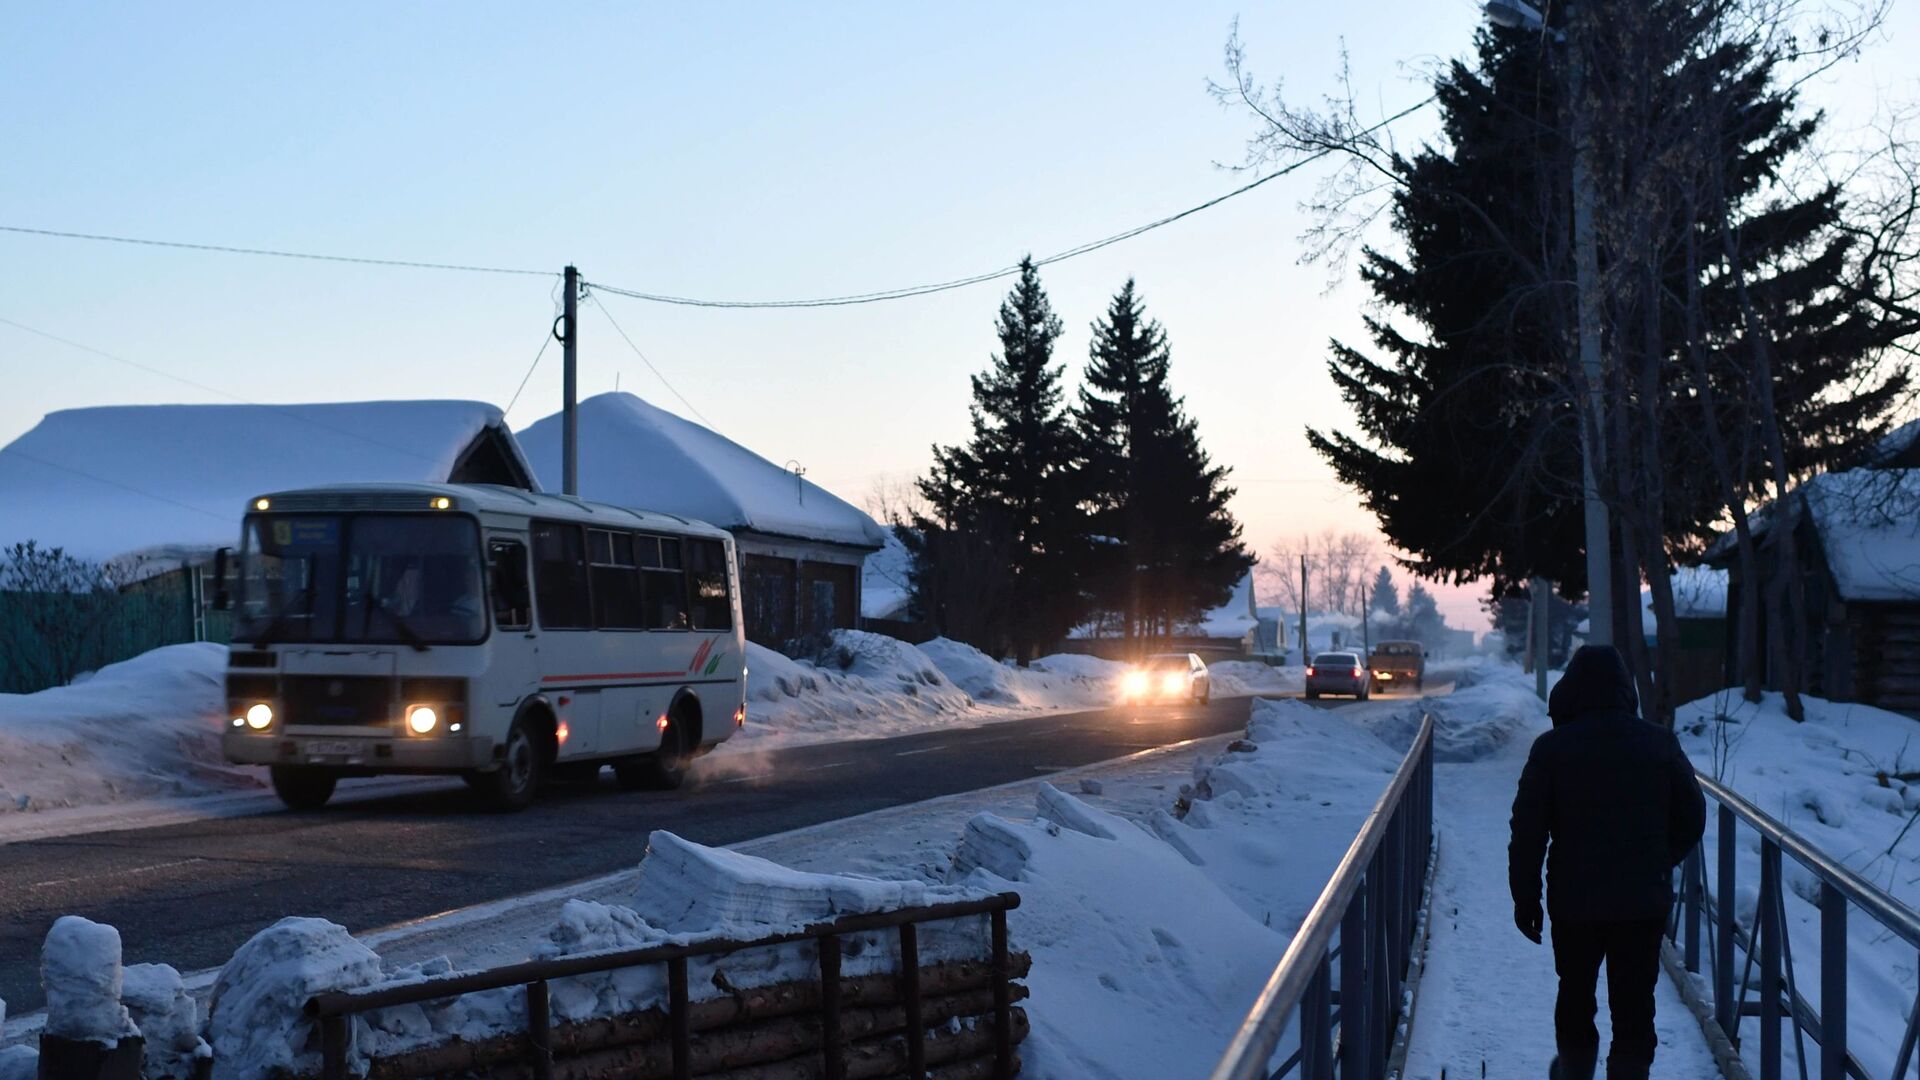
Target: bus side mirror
column 222, row 596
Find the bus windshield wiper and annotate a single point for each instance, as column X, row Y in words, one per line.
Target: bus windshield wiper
column 407, row 632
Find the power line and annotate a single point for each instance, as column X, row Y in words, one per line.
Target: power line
column 908, row 291
column 272, row 252
column 545, row 340
column 652, row 368
column 23, row 455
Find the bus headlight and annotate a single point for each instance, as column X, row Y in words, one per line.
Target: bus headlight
column 422, row 719
column 260, row 716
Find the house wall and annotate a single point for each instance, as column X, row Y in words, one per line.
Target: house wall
column 791, row 590
column 1885, row 661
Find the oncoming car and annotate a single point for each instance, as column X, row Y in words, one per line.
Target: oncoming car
column 494, row 634
column 1338, row 673
column 1168, row 677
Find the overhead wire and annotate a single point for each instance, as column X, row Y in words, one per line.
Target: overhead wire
column 276, row 253
column 664, row 381
column 24, row 456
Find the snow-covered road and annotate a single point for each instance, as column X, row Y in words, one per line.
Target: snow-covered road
column 1485, row 1005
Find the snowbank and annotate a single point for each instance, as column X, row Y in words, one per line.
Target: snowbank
column 1150, row 980
column 1843, row 781
column 145, row 727
column 1471, row 724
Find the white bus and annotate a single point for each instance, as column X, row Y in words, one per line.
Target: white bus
column 479, row 631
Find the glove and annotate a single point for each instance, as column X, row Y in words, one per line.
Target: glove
column 1528, row 918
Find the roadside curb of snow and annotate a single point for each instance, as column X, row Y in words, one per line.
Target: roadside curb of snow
column 1724, row 1054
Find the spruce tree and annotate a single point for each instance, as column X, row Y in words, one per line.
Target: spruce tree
column 1001, row 554
column 1169, row 547
column 1424, row 621
column 1386, row 596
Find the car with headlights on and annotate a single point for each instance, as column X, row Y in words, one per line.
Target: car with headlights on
column 1399, row 663
column 1168, row 677
column 1338, row 673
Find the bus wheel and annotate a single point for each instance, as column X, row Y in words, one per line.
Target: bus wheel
column 513, row 785
column 302, row 788
column 663, row 770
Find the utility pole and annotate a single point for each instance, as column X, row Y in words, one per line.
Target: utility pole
column 569, row 412
column 1542, row 649
column 1586, row 273
column 1304, row 659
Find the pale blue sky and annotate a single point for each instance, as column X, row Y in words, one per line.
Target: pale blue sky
column 719, row 150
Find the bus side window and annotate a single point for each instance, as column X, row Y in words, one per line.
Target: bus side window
column 666, row 584
column 707, row 574
column 560, row 576
column 512, row 599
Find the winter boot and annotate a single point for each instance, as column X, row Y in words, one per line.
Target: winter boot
column 1627, row 1070
column 1568, row 1067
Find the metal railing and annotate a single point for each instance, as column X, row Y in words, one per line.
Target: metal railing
column 334, row 1010
column 1776, row 996
column 1372, row 904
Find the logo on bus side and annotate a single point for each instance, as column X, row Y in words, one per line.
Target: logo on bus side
column 707, row 656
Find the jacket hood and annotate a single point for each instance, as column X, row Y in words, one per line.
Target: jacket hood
column 1596, row 680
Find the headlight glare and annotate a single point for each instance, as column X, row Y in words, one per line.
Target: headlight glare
column 260, row 716
column 422, row 719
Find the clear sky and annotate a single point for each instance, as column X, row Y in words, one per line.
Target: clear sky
column 725, row 150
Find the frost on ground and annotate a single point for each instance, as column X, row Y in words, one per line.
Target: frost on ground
column 143, row 728
column 1845, row 781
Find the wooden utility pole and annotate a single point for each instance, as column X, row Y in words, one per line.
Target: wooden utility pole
column 569, row 414
column 1304, row 658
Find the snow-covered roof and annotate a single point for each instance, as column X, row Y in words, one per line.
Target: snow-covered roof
column 633, row 454
column 1699, row 592
column 1897, row 442
column 1869, row 525
column 115, row 480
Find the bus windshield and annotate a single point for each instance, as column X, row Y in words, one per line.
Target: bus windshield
column 404, row 579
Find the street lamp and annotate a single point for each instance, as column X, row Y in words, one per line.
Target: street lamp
column 1520, row 15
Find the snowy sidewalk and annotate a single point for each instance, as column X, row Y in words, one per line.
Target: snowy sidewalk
column 1485, row 1006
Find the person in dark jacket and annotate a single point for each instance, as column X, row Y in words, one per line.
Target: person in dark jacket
column 1611, row 803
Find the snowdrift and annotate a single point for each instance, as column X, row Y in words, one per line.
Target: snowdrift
column 142, row 728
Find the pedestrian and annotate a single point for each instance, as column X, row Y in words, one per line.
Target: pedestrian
column 1610, row 801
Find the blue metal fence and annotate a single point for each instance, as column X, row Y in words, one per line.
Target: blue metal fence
column 1367, row 920
column 1751, row 973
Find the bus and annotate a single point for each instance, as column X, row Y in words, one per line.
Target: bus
column 491, row 633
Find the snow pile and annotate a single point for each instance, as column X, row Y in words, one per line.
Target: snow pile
column 1151, row 979
column 257, row 1022
column 1232, row 678
column 168, row 1019
column 1474, row 723
column 692, row 472
column 144, row 727
column 193, row 467
column 863, row 686
column 1842, row 780
column 80, row 971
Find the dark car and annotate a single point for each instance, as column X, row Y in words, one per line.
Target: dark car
column 1398, row 663
column 1338, row 673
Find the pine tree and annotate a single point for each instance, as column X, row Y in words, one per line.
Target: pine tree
column 1386, row 596
column 1424, row 621
column 1172, row 549
column 997, row 563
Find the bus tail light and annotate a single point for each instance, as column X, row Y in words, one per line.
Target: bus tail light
column 740, row 716
column 661, row 722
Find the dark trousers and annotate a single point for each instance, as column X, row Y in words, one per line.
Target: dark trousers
column 1631, row 951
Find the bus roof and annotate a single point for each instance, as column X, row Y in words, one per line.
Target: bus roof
column 479, row 498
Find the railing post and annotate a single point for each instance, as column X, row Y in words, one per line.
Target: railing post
column 1726, row 1010
column 1380, row 982
column 679, row 1019
column 832, row 1055
column 1316, row 1025
column 910, row 993
column 1768, row 926
column 1833, row 982
column 539, row 1031
column 1355, row 996
column 1002, row 998
column 333, row 1047
column 1690, row 909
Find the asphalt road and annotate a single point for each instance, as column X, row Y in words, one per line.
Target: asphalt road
column 188, row 895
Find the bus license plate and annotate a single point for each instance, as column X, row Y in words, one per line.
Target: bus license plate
column 332, row 748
